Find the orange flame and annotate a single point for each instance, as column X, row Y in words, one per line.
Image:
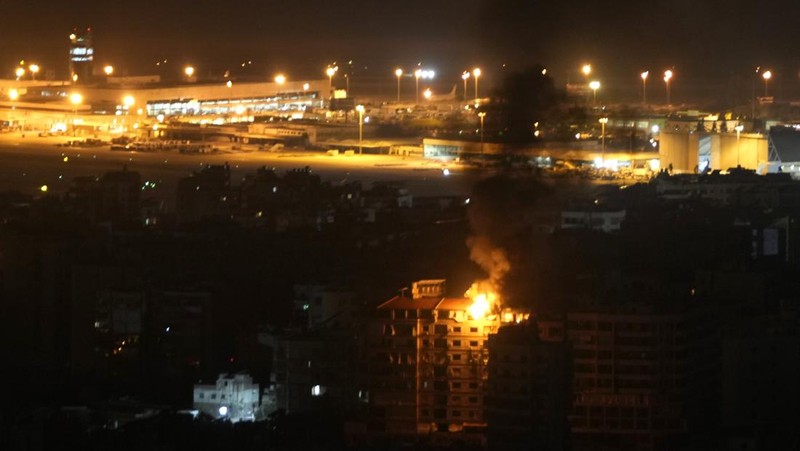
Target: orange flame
column 484, row 299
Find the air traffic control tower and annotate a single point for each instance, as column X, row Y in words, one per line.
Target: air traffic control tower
column 81, row 56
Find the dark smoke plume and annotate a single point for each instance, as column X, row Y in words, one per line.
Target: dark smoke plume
column 502, row 211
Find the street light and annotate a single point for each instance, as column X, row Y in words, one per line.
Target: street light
column 465, row 77
column 738, row 129
column 477, row 74
column 586, row 69
column 767, row 75
column 330, row 72
column 19, row 72
column 128, row 101
column 603, row 121
column 110, row 70
column 594, row 85
column 398, row 73
column 75, row 99
column 189, row 71
column 482, row 115
column 360, row 109
column 667, row 77
column 427, row 94
column 280, row 79
column 417, row 75
column 34, row 68
column 644, row 76
column 13, row 95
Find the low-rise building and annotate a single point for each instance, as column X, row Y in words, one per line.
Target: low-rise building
column 233, row 397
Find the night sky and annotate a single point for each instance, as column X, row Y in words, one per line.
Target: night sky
column 704, row 38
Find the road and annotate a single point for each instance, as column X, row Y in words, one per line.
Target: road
column 30, row 162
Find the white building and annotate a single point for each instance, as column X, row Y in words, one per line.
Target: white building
column 599, row 220
column 234, row 397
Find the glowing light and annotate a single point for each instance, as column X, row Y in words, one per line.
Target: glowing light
column 668, row 75
column 34, row 68
column 594, row 85
column 13, row 94
column 19, row 72
column 223, row 411
column 280, row 79
column 398, row 72
column 586, row 69
column 108, row 70
column 128, row 101
column 767, row 75
column 476, row 72
column 75, row 98
column 655, row 165
column 427, row 94
column 43, row 188
column 484, row 299
column 330, row 71
column 465, row 75
column 306, row 86
column 189, row 71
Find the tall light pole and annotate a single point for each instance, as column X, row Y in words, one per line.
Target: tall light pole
column 330, row 72
column 767, row 75
column 34, row 68
column 644, row 76
column 75, row 99
column 603, row 121
column 667, row 77
column 586, row 70
column 128, row 101
column 465, row 77
column 229, row 85
column 280, row 79
column 13, row 95
column 482, row 115
column 108, row 70
column 398, row 73
column 594, row 85
column 19, row 72
column 360, row 109
column 738, row 129
column 417, row 75
column 477, row 74
column 189, row 72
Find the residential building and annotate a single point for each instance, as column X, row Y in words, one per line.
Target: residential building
column 233, row 397
column 428, row 364
column 529, row 390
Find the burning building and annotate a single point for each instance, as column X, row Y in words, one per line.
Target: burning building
column 428, row 361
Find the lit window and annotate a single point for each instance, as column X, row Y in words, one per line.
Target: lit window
column 318, row 390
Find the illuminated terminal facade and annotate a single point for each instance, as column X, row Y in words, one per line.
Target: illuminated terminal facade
column 207, row 99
